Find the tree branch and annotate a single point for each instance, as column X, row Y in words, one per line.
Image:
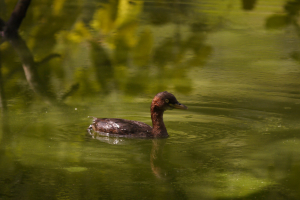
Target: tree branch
column 71, row 91
column 3, row 103
column 2, row 25
column 48, row 58
column 30, row 69
column 16, row 18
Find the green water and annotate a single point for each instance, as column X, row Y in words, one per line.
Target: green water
column 236, row 70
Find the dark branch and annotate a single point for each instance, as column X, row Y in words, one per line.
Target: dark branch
column 71, row 91
column 48, row 58
column 2, row 25
column 16, row 17
column 29, row 67
column 9, row 32
column 3, row 103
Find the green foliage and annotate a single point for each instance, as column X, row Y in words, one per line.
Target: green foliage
column 292, row 7
column 118, row 47
column 277, row 21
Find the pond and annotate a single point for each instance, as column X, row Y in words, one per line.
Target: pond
column 234, row 64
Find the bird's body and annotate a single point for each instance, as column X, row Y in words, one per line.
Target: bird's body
column 121, row 127
column 129, row 128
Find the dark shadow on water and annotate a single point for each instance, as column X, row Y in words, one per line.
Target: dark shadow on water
column 165, row 171
column 6, row 134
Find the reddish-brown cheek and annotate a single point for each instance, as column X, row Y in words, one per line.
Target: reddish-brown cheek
column 154, row 102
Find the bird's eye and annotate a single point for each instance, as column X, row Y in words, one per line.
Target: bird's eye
column 167, row 100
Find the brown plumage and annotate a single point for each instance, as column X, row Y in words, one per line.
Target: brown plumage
column 128, row 128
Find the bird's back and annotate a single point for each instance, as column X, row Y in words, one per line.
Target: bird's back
column 121, row 127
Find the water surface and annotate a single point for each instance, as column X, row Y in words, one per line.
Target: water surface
column 236, row 69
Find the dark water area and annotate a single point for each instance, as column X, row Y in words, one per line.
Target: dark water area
column 234, row 64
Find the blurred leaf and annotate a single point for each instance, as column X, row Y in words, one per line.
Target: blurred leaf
column 118, row 20
column 104, row 17
column 143, row 49
column 277, row 21
column 121, row 52
column 102, row 64
column 164, row 52
column 128, row 11
column 159, row 14
column 137, row 84
column 121, row 75
column 57, row 6
column 127, row 34
column 79, row 33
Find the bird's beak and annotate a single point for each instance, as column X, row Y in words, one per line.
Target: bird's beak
column 178, row 106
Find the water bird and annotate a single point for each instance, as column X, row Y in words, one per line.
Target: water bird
column 129, row 128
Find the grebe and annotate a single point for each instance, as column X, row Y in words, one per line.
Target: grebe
column 128, row 128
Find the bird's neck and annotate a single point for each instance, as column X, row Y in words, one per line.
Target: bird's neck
column 159, row 128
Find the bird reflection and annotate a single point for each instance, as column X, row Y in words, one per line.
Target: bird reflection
column 156, row 160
